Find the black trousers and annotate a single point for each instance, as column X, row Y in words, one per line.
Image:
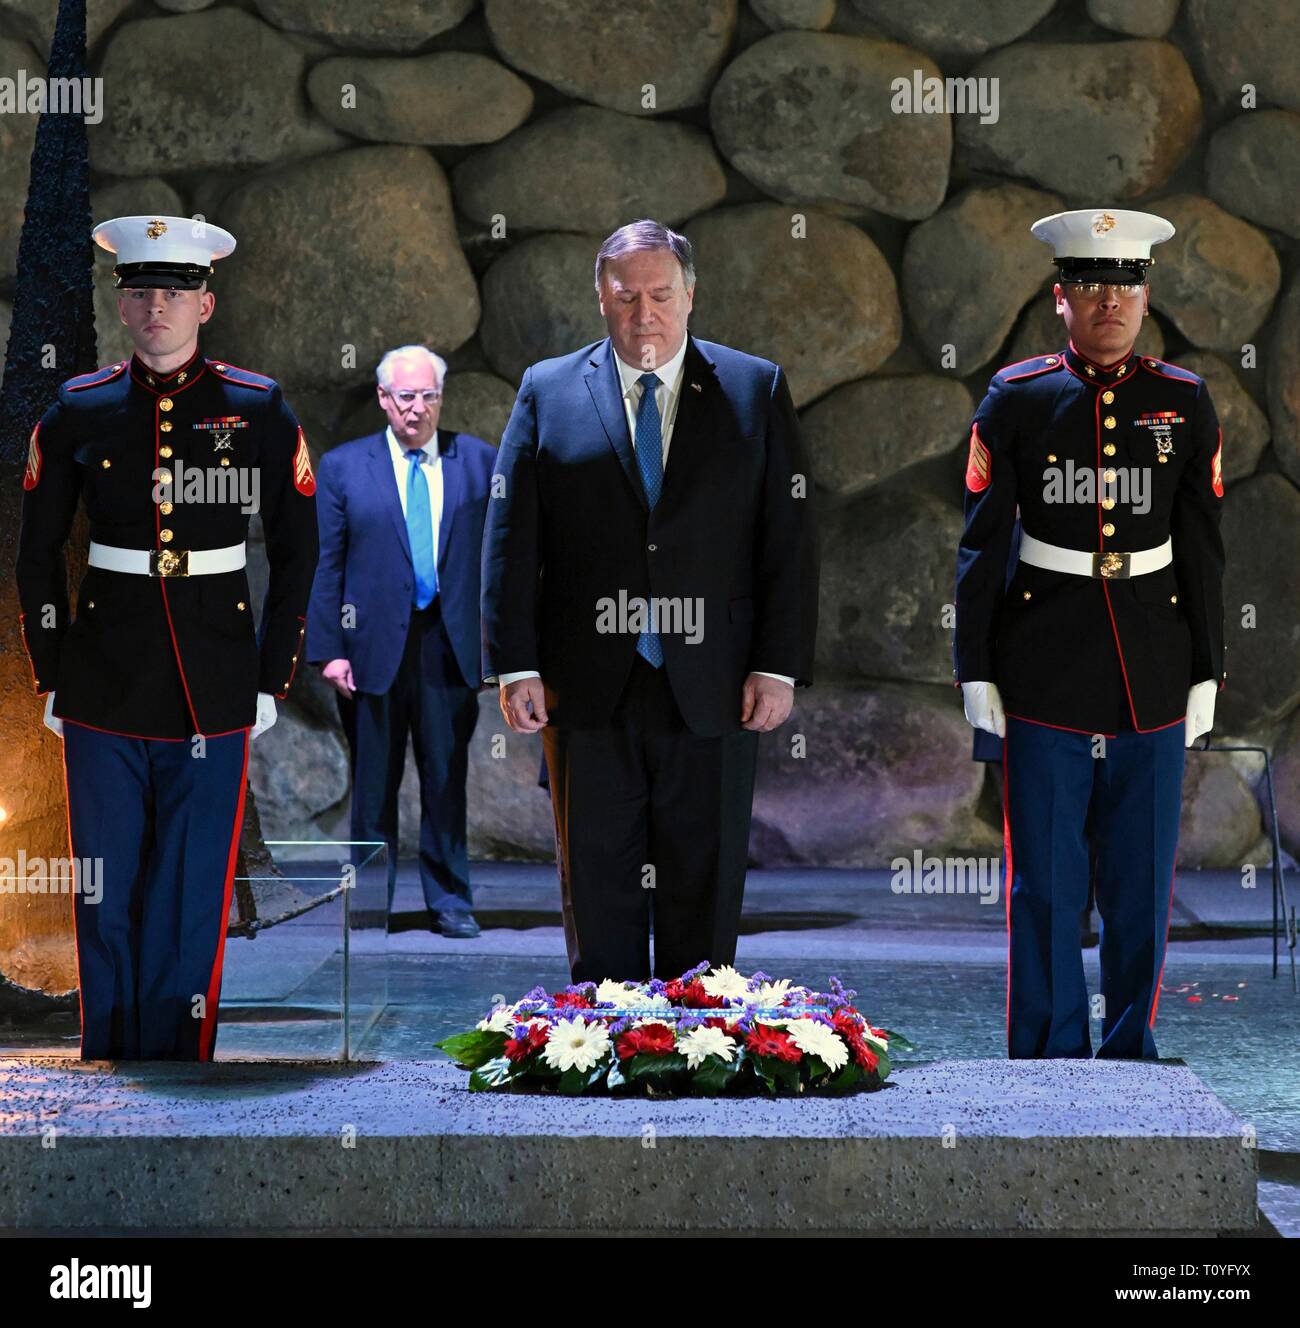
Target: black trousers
column 430, row 701
column 644, row 792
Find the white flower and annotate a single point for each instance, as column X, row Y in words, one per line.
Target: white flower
column 501, row 1020
column 650, row 1001
column 725, row 981
column 575, row 1044
column 618, row 992
column 699, row 1043
column 816, row 1039
column 869, row 1036
column 770, row 993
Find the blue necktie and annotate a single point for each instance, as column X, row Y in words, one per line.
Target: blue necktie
column 650, row 457
column 419, row 527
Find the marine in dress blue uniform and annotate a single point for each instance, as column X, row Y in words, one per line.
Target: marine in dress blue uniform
column 1100, row 658
column 160, row 677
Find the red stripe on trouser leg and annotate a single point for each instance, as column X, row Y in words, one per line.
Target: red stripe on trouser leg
column 209, row 1027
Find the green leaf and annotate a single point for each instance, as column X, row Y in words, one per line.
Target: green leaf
column 786, row 1075
column 815, row 1066
column 896, row 1040
column 492, row 1074
column 714, row 1075
column 474, row 1048
column 849, row 1076
column 762, row 1067
column 574, row 1081
column 645, row 1064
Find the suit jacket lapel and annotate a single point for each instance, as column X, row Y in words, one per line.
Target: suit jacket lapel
column 451, row 486
column 601, row 374
column 381, row 468
column 691, row 432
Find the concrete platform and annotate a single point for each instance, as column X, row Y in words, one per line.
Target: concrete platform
column 972, row 1147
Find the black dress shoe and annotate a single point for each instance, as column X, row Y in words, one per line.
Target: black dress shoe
column 458, row 924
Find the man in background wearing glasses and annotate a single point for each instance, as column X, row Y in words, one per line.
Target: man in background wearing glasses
column 394, row 619
column 1100, row 660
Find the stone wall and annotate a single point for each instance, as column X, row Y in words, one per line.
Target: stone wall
column 442, row 171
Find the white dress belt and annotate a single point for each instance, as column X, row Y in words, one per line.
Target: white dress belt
column 167, row 562
column 1112, row 565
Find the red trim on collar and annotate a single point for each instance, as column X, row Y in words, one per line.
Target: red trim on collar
column 165, row 385
column 1101, row 376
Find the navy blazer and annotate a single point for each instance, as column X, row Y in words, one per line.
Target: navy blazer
column 365, row 557
column 569, row 530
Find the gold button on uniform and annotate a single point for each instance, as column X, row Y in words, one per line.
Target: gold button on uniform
column 1109, row 421
column 1108, row 529
column 91, row 604
column 166, row 426
column 165, row 508
column 165, row 535
column 164, row 477
column 1029, row 594
column 1108, row 396
column 164, row 450
column 1173, row 599
column 106, row 463
column 1162, row 459
column 225, row 461
column 1109, row 476
column 1109, row 449
column 241, row 606
column 1051, row 456
column 165, row 403
column 1108, row 503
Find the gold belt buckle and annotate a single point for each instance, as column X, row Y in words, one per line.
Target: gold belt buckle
column 1111, row 566
column 169, row 562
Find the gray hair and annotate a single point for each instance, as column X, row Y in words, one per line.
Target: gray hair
column 384, row 378
column 647, row 234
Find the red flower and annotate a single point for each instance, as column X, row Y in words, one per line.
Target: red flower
column 571, row 1000
column 518, row 1049
column 697, row 998
column 774, row 1042
column 731, row 1030
column 674, row 989
column 848, row 1028
column 651, row 1039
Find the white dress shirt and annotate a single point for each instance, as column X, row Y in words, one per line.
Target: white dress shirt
column 432, row 467
column 667, row 395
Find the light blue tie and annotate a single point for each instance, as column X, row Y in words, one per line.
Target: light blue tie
column 650, row 457
column 419, row 528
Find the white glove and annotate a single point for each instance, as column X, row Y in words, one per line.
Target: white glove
column 1200, row 710
column 52, row 721
column 265, row 714
column 984, row 707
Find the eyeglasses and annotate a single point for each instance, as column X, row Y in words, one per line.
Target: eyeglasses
column 407, row 397
column 1090, row 290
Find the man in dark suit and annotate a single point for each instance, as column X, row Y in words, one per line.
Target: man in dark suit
column 394, row 618
column 650, row 574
